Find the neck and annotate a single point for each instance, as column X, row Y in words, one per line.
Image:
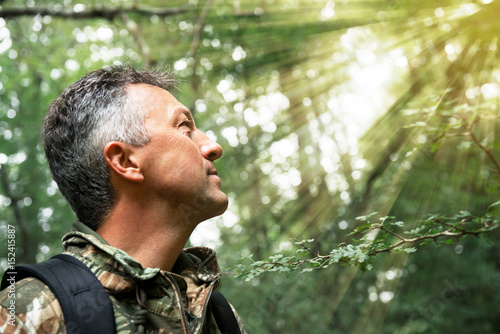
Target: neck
column 155, row 239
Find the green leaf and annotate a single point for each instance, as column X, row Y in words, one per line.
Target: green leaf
column 361, row 228
column 276, row 257
column 425, row 242
column 493, row 205
column 464, row 213
column 367, row 217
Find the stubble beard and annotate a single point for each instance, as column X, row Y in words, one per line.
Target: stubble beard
column 203, row 206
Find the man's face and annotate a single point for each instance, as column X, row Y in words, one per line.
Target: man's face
column 177, row 163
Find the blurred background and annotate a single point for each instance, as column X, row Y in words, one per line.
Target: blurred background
column 326, row 110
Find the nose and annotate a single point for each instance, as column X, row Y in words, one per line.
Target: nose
column 209, row 149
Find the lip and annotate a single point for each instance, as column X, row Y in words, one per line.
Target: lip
column 212, row 172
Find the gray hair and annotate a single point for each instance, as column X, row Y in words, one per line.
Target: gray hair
column 81, row 121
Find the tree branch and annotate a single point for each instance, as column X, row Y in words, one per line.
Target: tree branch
column 198, row 28
column 403, row 241
column 102, row 12
column 390, row 232
column 487, row 151
column 29, row 256
column 141, row 42
column 359, row 254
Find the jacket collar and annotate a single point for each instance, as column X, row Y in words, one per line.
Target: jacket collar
column 96, row 252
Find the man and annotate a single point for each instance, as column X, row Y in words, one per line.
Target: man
column 140, row 177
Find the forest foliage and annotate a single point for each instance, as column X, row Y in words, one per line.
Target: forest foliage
column 354, row 133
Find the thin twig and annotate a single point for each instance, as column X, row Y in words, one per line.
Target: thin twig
column 198, row 28
column 390, row 232
column 403, row 241
column 454, row 227
column 487, row 151
column 141, row 42
column 321, row 260
column 102, row 12
column 309, row 250
column 462, row 134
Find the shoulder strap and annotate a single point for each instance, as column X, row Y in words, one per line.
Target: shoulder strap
column 86, row 306
column 223, row 314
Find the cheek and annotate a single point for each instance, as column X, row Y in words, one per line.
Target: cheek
column 179, row 156
column 187, row 161
column 188, row 151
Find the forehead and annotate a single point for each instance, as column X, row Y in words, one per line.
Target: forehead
column 158, row 106
column 153, row 99
column 155, row 103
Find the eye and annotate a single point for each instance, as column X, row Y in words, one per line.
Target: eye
column 186, row 123
column 186, row 126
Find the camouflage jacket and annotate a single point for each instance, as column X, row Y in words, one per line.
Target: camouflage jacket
column 147, row 300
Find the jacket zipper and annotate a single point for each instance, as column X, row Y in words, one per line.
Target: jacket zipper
column 178, row 295
column 212, row 288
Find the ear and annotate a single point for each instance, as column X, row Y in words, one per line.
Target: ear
column 122, row 161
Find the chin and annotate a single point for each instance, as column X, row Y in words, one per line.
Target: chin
column 219, row 206
column 206, row 207
column 224, row 205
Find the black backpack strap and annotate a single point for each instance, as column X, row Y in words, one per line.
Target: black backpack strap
column 223, row 314
column 86, row 306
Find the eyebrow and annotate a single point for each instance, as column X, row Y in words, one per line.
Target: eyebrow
column 183, row 109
